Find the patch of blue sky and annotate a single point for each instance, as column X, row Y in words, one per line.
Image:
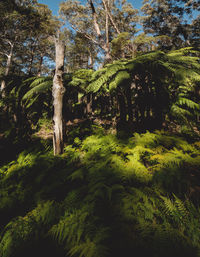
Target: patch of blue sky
column 54, row 4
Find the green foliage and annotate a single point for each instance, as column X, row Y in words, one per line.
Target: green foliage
column 104, row 197
column 120, row 45
column 162, row 82
column 38, row 86
column 81, row 78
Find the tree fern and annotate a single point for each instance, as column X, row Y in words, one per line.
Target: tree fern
column 39, row 86
column 120, row 78
column 172, row 75
column 81, row 78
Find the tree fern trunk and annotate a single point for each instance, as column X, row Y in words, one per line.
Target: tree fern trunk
column 129, row 103
column 122, row 107
column 89, row 104
column 57, row 92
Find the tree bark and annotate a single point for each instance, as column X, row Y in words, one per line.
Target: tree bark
column 102, row 43
column 8, row 65
column 110, row 16
column 107, row 46
column 58, row 92
column 89, row 104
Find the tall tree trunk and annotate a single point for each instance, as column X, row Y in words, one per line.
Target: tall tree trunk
column 106, row 7
column 8, row 66
column 58, row 92
column 107, row 47
column 103, row 44
column 90, row 60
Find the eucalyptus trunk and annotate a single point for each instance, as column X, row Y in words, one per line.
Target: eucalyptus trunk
column 8, row 66
column 58, row 92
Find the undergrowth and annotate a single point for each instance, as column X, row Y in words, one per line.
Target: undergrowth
column 103, row 197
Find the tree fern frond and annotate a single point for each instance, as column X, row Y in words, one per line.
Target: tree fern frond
column 120, row 78
column 177, row 111
column 31, row 101
column 39, row 80
column 182, row 101
column 105, row 76
column 81, row 78
column 30, row 79
column 38, row 89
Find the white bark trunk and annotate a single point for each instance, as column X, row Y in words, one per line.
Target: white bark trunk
column 103, row 44
column 58, row 92
column 8, row 66
column 110, row 16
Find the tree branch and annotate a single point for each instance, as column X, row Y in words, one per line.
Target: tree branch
column 4, row 54
column 85, row 35
column 110, row 16
column 96, row 25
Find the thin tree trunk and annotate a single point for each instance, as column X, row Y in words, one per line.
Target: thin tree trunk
column 8, row 65
column 90, row 60
column 104, row 45
column 107, row 47
column 58, row 92
column 110, row 16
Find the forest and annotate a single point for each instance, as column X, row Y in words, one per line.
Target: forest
column 100, row 129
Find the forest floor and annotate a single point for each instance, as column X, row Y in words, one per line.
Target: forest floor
column 105, row 196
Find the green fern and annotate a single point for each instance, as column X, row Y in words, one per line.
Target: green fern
column 38, row 86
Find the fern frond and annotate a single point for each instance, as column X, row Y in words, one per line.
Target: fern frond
column 182, row 101
column 120, row 78
column 170, row 207
column 40, row 80
column 180, row 207
column 177, row 111
column 38, row 89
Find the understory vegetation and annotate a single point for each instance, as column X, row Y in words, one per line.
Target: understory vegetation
column 100, row 129
column 104, row 196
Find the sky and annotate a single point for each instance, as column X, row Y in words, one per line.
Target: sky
column 54, row 4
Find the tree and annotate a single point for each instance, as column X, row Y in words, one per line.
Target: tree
column 152, row 87
column 39, row 43
column 169, row 18
column 57, row 92
column 80, row 52
column 26, row 29
column 100, row 23
column 14, row 24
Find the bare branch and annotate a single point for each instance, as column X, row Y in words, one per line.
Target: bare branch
column 85, row 35
column 9, row 42
column 110, row 16
column 96, row 25
column 4, row 54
